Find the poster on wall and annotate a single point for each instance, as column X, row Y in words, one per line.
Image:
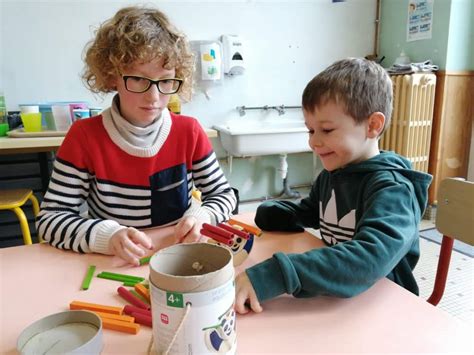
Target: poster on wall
column 420, row 19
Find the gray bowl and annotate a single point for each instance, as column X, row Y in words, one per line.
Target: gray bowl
column 70, row 332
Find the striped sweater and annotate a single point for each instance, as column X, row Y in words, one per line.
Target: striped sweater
column 128, row 186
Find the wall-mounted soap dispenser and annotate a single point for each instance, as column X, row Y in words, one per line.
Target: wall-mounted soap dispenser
column 234, row 54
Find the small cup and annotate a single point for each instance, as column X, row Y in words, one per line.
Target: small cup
column 4, row 128
column 29, row 108
column 62, row 117
column 80, row 114
column 95, row 111
column 31, row 122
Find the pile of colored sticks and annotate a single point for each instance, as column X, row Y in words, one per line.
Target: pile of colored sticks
column 222, row 233
column 137, row 312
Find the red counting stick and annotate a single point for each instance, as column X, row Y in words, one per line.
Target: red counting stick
column 129, row 309
column 128, row 296
column 234, row 230
column 140, row 318
column 216, row 237
column 217, row 230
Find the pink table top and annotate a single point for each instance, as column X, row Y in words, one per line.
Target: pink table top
column 39, row 280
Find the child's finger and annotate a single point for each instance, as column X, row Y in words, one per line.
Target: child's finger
column 140, row 238
column 182, row 229
column 255, row 305
column 134, row 249
column 192, row 236
column 240, row 306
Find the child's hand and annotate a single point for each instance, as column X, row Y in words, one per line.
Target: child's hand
column 245, row 295
column 188, row 230
column 129, row 244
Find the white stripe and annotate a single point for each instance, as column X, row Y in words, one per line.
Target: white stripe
column 329, row 232
column 70, row 170
column 205, row 162
column 131, row 200
column 96, row 206
column 206, row 189
column 106, row 187
column 337, row 230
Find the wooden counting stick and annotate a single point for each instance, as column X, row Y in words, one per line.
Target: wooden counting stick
column 217, row 230
column 143, row 291
column 95, row 307
column 128, row 296
column 216, row 237
column 236, row 231
column 251, row 229
column 120, row 326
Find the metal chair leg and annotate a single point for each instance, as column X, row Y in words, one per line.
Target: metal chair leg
column 25, row 229
column 34, row 202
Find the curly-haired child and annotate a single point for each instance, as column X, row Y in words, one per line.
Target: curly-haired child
column 136, row 164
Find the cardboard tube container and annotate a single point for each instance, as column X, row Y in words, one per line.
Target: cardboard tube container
column 192, row 297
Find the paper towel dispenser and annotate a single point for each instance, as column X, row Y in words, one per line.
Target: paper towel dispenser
column 234, row 54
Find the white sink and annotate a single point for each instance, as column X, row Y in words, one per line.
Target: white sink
column 263, row 137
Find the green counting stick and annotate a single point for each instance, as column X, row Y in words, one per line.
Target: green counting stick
column 120, row 277
column 145, row 260
column 88, row 278
column 130, row 284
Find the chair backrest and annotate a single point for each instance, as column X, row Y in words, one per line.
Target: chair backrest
column 455, row 220
column 455, row 213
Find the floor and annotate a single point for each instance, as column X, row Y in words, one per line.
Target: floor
column 458, row 298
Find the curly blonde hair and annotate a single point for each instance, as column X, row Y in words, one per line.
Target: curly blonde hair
column 136, row 35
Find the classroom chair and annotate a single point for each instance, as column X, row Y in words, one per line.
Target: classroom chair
column 13, row 200
column 455, row 220
column 197, row 195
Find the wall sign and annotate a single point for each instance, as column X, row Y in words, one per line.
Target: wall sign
column 420, row 20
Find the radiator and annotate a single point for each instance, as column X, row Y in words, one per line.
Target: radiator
column 409, row 133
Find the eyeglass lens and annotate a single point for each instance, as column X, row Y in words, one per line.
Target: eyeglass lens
column 138, row 84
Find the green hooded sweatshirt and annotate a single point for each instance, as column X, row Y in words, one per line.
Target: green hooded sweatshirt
column 368, row 214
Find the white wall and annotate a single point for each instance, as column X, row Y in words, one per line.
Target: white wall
column 288, row 43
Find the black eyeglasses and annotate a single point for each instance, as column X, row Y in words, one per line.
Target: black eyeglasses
column 140, row 84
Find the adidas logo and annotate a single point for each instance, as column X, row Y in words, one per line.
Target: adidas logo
column 332, row 230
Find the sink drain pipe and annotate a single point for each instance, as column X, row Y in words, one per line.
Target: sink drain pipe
column 283, row 170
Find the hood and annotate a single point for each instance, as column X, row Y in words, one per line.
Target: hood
column 389, row 161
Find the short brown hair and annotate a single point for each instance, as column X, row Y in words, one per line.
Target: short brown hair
column 360, row 85
column 136, row 34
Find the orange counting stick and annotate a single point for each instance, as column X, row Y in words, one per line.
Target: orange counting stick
column 121, row 318
column 251, row 229
column 143, row 291
column 95, row 307
column 120, row 326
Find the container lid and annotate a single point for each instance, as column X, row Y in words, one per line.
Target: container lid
column 70, row 332
column 191, row 267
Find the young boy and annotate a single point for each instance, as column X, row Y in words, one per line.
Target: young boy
column 366, row 203
column 136, row 164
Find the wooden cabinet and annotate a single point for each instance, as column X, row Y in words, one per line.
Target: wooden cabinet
column 452, row 126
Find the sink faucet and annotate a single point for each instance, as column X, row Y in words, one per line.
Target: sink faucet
column 280, row 109
column 241, row 110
